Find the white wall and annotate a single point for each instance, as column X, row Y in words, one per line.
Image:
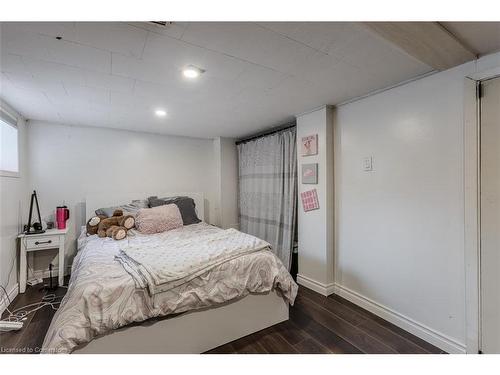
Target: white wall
column 316, row 228
column 67, row 162
column 226, row 155
column 14, row 207
column 400, row 228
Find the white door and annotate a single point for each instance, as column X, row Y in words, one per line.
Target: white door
column 490, row 216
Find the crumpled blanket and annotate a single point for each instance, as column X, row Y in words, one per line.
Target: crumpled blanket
column 167, row 263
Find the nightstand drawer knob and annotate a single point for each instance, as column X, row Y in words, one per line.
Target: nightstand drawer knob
column 41, row 242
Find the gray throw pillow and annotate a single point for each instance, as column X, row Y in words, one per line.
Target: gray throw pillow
column 186, row 206
column 127, row 208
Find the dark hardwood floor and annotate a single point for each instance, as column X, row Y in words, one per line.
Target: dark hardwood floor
column 317, row 324
column 331, row 324
column 29, row 339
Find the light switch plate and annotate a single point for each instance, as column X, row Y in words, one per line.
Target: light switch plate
column 368, row 164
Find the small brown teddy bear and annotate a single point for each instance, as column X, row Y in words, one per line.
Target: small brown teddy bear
column 115, row 226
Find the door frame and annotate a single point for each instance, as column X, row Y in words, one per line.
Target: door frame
column 472, row 206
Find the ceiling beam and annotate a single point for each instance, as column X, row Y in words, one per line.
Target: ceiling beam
column 428, row 42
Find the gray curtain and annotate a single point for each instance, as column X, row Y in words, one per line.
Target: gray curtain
column 268, row 190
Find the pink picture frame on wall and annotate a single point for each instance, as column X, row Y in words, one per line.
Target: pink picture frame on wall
column 310, row 145
column 309, row 200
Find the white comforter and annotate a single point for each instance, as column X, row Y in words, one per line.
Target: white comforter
column 162, row 264
column 102, row 296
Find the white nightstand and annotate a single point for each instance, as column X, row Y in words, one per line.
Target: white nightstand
column 51, row 239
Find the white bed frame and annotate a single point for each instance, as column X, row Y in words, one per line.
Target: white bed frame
column 196, row 331
column 191, row 332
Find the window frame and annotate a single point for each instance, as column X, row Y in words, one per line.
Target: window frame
column 11, row 120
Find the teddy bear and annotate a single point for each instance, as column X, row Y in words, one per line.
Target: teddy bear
column 115, row 226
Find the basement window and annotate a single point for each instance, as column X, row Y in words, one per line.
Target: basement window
column 9, row 145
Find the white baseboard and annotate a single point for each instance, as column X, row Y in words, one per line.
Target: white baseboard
column 43, row 274
column 4, row 303
column 324, row 289
column 428, row 334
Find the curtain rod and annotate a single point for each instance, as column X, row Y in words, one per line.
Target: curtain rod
column 265, row 134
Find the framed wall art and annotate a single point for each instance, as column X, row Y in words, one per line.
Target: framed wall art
column 309, row 200
column 310, row 173
column 310, row 145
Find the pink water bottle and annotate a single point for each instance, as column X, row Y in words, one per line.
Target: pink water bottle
column 62, row 214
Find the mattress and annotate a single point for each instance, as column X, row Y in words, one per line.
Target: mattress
column 103, row 296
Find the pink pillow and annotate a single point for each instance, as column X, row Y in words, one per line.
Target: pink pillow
column 158, row 219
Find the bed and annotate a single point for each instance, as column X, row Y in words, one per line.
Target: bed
column 105, row 311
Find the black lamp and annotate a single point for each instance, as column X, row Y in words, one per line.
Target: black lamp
column 37, row 226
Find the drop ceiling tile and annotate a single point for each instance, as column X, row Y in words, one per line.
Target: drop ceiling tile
column 127, row 101
column 93, row 116
column 84, row 113
column 244, row 40
column 112, row 36
column 10, row 63
column 182, row 92
column 220, row 66
column 323, row 36
column 53, row 29
column 54, row 71
column 27, row 81
column 257, row 76
column 150, row 71
column 30, row 103
column 219, row 90
column 130, row 120
column 249, row 42
column 23, row 43
column 77, row 55
column 249, row 96
column 153, row 90
column 171, row 51
column 108, row 81
column 87, row 94
column 11, row 89
column 298, row 100
column 47, row 48
column 285, row 28
column 318, row 65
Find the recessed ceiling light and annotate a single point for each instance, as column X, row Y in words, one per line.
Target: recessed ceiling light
column 192, row 71
column 160, row 113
